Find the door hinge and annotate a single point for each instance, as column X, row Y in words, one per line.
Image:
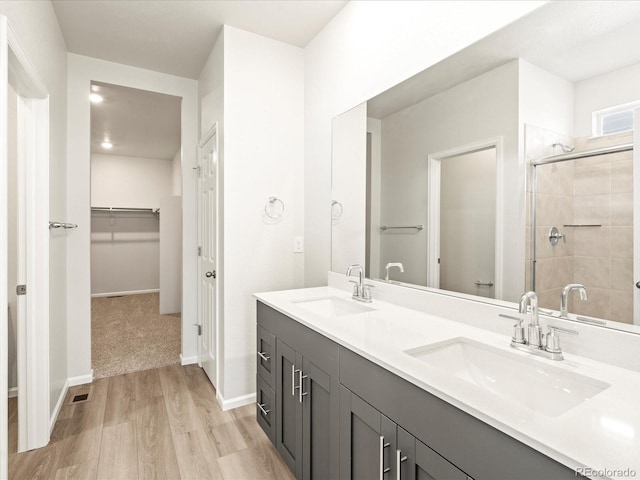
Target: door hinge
column 199, row 327
column 21, row 290
column 197, row 167
column 199, row 251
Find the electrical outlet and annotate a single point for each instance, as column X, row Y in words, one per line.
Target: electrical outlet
column 298, row 244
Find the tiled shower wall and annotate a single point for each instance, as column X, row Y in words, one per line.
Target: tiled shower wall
column 591, row 191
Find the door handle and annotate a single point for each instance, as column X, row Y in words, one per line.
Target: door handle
column 210, row 274
column 637, row 284
column 383, row 445
column 399, row 460
column 301, row 392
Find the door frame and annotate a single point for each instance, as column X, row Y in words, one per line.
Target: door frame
column 213, row 131
column 433, row 208
column 33, row 168
column 636, row 216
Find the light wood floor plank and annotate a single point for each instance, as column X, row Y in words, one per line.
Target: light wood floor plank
column 120, row 400
column 194, row 456
column 118, row 454
column 39, row 464
column 156, row 453
column 147, row 384
column 179, row 404
column 13, row 425
column 84, row 471
column 84, row 431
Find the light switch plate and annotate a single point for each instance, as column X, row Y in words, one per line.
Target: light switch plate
column 298, row 244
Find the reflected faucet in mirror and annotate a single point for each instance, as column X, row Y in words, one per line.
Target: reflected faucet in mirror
column 564, row 297
column 390, row 265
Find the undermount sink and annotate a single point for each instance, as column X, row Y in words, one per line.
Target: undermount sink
column 332, row 306
column 528, row 382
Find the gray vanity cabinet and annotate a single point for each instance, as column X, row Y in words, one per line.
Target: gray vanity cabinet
column 306, row 395
column 373, row 447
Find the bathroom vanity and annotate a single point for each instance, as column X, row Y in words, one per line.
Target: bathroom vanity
column 348, row 390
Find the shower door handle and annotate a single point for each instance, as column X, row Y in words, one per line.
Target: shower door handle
column 210, row 274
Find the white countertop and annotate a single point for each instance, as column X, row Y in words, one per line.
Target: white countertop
column 601, row 433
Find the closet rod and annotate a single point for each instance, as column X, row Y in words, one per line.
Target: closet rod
column 589, row 153
column 123, row 209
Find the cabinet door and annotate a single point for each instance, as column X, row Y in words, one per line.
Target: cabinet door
column 367, row 440
column 266, row 408
column 318, row 407
column 431, row 466
column 288, row 407
column 266, row 346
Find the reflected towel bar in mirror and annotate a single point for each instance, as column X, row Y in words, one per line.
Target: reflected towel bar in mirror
column 62, row 225
column 415, row 227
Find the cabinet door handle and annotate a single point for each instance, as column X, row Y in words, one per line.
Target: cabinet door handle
column 382, row 447
column 293, row 380
column 399, row 460
column 261, row 407
column 301, row 392
column 263, row 356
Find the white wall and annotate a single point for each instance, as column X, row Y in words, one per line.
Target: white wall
column 176, row 174
column 263, row 157
column 546, row 100
column 83, row 70
column 37, row 29
column 118, row 181
column 170, row 258
column 608, row 90
column 367, row 48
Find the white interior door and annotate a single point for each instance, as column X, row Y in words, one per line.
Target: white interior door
column 207, row 296
column 636, row 217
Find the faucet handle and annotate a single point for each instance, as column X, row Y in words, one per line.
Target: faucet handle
column 552, row 341
column 518, row 329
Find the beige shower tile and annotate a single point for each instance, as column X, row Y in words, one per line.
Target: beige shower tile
column 549, row 299
column 622, row 209
column 622, row 176
column 555, row 179
column 622, row 242
column 622, row 307
column 554, row 210
column 592, row 241
column 552, row 273
column 622, row 274
column 598, row 305
column 593, row 272
column 592, row 179
column 591, row 209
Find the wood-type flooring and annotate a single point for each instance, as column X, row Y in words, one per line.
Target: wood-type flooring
column 163, row 423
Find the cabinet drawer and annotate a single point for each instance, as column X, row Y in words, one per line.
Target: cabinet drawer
column 266, row 349
column 266, row 408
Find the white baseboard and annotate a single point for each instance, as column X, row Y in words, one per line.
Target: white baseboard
column 80, row 380
column 235, row 402
column 120, row 294
column 56, row 411
column 188, row 360
column 13, row 392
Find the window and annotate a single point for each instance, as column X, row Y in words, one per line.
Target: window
column 614, row 120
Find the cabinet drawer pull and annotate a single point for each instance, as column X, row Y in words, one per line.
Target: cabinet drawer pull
column 264, row 357
column 301, row 392
column 294, row 370
column 261, row 407
column 399, row 460
column 382, row 447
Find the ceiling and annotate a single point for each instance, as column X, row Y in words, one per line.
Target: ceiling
column 176, row 37
column 573, row 40
column 138, row 123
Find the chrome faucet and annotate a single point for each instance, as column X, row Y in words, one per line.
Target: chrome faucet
column 564, row 297
column 533, row 342
column 389, row 265
column 535, row 335
column 361, row 291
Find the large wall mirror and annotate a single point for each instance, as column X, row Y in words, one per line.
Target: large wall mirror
column 444, row 181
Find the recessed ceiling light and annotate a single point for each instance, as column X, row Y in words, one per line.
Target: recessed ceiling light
column 106, row 145
column 95, row 98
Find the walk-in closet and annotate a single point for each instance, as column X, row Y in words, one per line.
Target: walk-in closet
column 136, row 225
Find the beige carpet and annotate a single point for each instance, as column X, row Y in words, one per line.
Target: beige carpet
column 128, row 334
